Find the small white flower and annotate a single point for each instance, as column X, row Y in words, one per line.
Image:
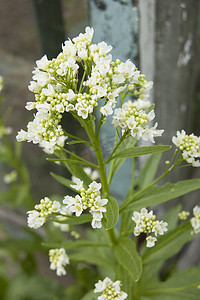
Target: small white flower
column 106, row 110
column 195, row 224
column 82, row 111
column 160, row 228
column 56, row 206
column 131, row 123
column 78, row 183
column 196, row 210
column 30, row 105
column 151, row 241
column 94, row 186
column 77, row 208
column 100, row 286
column 42, row 63
column 22, row 136
column 34, row 219
column 49, row 91
column 71, row 96
column 104, row 48
column 149, row 133
column 96, row 223
column 69, row 201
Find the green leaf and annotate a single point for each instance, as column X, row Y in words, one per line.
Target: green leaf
column 112, row 213
column 169, row 244
column 138, row 151
column 118, row 162
column 74, row 161
column 127, row 225
column 66, row 182
column 157, row 194
column 32, row 287
column 172, row 218
column 89, row 296
column 128, row 285
column 127, row 256
column 181, row 285
column 75, row 142
column 92, row 257
column 149, row 170
column 75, row 244
column 73, row 220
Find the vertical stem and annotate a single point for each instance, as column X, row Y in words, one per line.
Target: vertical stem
column 102, row 169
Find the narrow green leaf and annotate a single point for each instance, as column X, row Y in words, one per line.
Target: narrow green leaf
column 118, row 162
column 75, row 142
column 112, row 213
column 169, row 244
column 73, row 220
column 138, row 151
column 66, row 182
column 74, row 161
column 127, row 256
column 164, row 193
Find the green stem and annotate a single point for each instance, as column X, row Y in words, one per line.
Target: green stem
column 102, row 170
column 99, row 126
column 111, row 235
column 116, row 147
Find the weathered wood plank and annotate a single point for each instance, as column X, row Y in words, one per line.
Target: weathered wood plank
column 116, row 23
column 48, row 15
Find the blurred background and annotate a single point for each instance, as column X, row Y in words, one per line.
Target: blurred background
column 161, row 37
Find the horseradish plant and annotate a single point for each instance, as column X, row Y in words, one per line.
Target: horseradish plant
column 126, row 245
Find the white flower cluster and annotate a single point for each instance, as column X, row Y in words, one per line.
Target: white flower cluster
column 195, row 221
column 146, row 223
column 38, row 216
column 110, row 290
column 183, row 215
column 44, row 130
column 57, row 88
column 59, row 259
column 134, row 118
column 89, row 198
column 190, row 147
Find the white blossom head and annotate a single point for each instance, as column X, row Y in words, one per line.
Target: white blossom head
column 109, row 290
column 58, row 259
column 145, row 223
column 189, row 145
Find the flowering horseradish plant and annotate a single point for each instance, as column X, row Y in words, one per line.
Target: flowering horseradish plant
column 122, row 244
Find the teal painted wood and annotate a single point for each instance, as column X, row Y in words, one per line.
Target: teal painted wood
column 116, row 23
